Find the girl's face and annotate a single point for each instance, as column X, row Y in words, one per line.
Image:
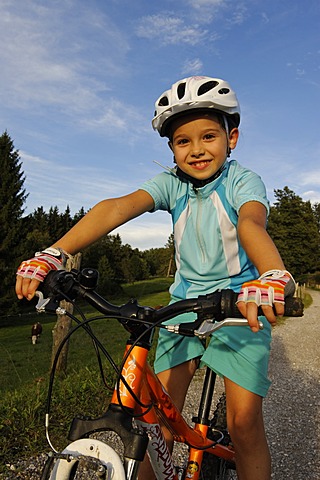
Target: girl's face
column 200, row 145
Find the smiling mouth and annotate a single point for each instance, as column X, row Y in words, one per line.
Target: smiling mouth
column 201, row 164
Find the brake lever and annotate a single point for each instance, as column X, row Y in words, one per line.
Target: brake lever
column 48, row 305
column 207, row 327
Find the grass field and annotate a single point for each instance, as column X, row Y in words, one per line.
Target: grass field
column 24, row 373
column 22, row 362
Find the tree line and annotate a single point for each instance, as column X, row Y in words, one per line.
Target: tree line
column 294, row 225
column 22, row 235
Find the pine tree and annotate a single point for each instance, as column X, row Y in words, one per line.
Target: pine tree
column 12, row 198
column 293, row 227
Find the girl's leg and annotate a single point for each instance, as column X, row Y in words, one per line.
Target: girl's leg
column 245, row 424
column 176, row 381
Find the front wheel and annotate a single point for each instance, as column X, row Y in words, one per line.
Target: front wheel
column 216, row 468
column 89, row 459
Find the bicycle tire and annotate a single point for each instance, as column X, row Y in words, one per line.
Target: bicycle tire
column 216, row 468
column 89, row 455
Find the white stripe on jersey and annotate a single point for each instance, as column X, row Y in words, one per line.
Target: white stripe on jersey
column 179, row 229
column 228, row 236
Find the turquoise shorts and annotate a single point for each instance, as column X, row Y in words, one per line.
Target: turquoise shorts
column 233, row 352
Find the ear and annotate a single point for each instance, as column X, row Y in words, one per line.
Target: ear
column 233, row 138
column 170, row 145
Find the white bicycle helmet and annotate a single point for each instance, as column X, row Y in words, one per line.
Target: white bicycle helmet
column 195, row 93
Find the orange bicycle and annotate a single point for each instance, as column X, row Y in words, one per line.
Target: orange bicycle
column 139, row 402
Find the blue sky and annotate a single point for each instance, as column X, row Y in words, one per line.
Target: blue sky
column 79, row 78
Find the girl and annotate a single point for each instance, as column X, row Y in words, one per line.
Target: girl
column 219, row 211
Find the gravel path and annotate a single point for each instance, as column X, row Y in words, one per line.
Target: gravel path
column 291, row 409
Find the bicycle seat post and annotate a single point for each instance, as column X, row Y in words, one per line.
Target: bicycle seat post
column 206, row 398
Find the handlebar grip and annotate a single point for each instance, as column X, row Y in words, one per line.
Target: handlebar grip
column 293, row 306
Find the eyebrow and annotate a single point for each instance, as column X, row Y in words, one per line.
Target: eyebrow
column 206, row 130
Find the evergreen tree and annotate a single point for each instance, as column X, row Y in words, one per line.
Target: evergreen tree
column 134, row 265
column 54, row 226
column 37, row 235
column 316, row 211
column 107, row 285
column 78, row 216
column 293, row 227
column 12, row 198
column 66, row 221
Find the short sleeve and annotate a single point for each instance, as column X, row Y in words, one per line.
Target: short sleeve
column 245, row 186
column 161, row 189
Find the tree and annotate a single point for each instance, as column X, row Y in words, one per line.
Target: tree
column 134, row 266
column 107, row 285
column 294, row 229
column 54, row 225
column 12, row 199
column 316, row 211
column 37, row 236
column 78, row 216
column 161, row 260
column 111, row 248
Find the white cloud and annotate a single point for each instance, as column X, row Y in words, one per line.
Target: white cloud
column 43, row 64
column 66, row 185
column 170, row 30
column 206, row 3
column 147, row 231
column 205, row 11
column 69, row 72
column 115, row 116
column 207, row 7
column 192, row 67
column 238, row 16
column 311, row 195
column 311, row 178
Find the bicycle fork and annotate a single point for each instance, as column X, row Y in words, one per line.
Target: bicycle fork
column 119, row 416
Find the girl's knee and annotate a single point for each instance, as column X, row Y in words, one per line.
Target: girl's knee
column 246, row 427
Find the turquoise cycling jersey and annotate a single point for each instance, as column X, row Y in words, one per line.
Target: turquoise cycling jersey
column 208, row 253
column 209, row 256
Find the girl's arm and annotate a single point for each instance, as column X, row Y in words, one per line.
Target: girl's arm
column 262, row 252
column 99, row 221
column 103, row 218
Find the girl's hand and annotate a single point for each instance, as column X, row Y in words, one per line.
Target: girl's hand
column 267, row 291
column 31, row 272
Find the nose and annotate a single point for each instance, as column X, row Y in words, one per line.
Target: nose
column 197, row 151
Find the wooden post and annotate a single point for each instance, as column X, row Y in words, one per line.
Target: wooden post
column 63, row 324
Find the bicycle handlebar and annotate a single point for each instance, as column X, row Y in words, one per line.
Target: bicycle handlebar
column 215, row 307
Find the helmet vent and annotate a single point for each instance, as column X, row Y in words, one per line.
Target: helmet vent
column 163, row 102
column 181, row 90
column 224, row 91
column 206, row 87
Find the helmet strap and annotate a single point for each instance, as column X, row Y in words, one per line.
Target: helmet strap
column 226, row 127
column 197, row 183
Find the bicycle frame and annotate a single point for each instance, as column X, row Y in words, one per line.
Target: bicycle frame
column 139, row 402
column 144, row 380
column 141, row 379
